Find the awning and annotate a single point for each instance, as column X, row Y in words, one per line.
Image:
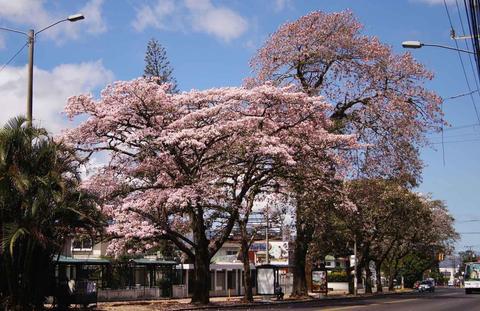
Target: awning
column 81, row 261
column 156, row 262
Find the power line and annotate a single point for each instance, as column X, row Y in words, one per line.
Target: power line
column 461, row 62
column 467, row 45
column 472, row 16
column 461, row 95
column 13, row 57
column 459, row 127
column 465, row 135
column 465, row 221
column 457, row 141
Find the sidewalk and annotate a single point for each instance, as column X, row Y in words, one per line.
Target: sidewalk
column 217, row 302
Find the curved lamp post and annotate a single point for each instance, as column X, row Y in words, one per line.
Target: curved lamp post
column 418, row 44
column 31, row 35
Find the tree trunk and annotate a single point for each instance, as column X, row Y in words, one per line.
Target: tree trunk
column 391, row 278
column 201, row 286
column 350, row 278
column 368, row 278
column 244, row 247
column 360, row 268
column 300, row 255
column 247, row 277
column 378, row 269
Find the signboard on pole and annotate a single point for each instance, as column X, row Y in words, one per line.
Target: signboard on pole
column 319, row 281
column 265, row 281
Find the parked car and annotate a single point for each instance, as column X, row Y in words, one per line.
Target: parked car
column 451, row 283
column 426, row 286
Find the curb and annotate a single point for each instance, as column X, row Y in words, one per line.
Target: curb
column 284, row 302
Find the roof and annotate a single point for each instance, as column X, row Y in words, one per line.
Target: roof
column 450, row 262
column 272, row 265
column 147, row 261
column 224, row 258
column 82, row 261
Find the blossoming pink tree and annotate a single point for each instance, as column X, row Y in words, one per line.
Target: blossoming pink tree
column 375, row 94
column 183, row 167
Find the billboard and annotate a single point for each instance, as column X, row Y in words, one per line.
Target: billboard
column 265, row 281
column 277, row 251
column 472, row 272
column 319, row 281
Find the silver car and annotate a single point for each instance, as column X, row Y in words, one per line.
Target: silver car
column 426, row 286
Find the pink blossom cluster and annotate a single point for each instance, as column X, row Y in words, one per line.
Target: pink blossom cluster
column 375, row 94
column 171, row 154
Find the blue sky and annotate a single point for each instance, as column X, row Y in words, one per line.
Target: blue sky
column 209, row 44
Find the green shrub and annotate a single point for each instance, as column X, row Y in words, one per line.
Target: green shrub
column 337, row 276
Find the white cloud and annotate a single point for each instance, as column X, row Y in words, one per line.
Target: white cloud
column 195, row 15
column 51, row 90
column 220, row 22
column 280, row 5
column 34, row 14
column 153, row 16
column 94, row 21
column 22, row 11
column 434, row 2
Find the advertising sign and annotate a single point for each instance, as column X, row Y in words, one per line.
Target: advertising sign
column 265, row 281
column 319, row 281
column 472, row 272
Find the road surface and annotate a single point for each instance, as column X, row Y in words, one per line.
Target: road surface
column 442, row 299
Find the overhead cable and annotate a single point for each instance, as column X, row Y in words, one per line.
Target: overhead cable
column 462, row 64
column 13, row 57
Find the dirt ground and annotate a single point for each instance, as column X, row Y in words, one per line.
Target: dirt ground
column 171, row 304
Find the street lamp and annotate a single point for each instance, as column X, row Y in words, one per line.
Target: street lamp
column 418, row 44
column 31, row 35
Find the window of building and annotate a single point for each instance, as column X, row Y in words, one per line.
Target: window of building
column 231, row 252
column 231, row 280
column 212, row 280
column 82, row 244
column 220, row 281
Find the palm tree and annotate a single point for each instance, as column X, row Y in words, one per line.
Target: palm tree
column 40, row 207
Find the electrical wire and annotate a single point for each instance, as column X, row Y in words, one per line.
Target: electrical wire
column 472, row 135
column 461, row 62
column 460, row 95
column 13, row 57
column 472, row 11
column 467, row 45
column 459, row 127
column 457, row 141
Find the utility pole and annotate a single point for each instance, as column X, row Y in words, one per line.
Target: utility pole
column 267, row 255
column 31, row 43
column 355, row 266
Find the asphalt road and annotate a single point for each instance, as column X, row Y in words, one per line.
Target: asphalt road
column 442, row 299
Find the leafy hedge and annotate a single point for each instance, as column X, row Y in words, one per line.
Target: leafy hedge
column 337, row 276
